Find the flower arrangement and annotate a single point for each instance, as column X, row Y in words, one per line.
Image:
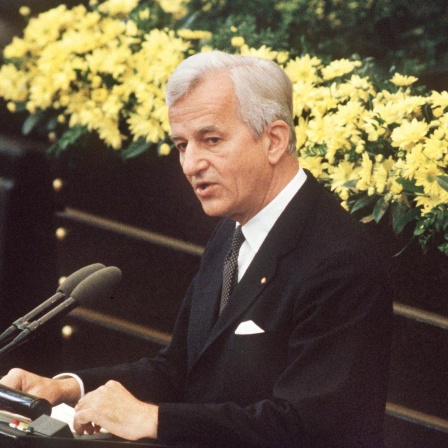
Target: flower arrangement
column 100, row 70
column 379, row 144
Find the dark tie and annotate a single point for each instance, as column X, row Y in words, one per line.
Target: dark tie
column 230, row 272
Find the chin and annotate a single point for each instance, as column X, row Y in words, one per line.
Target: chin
column 215, row 212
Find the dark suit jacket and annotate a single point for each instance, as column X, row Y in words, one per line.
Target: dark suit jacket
column 316, row 377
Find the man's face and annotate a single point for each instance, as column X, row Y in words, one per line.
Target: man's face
column 227, row 167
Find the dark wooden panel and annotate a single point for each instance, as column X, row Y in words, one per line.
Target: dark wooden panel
column 92, row 345
column 404, row 434
column 149, row 192
column 419, row 279
column 419, row 367
column 27, row 244
column 154, row 281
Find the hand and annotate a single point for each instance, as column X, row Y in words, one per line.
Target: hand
column 55, row 391
column 115, row 409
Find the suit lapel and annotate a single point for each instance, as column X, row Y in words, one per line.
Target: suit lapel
column 205, row 305
column 282, row 238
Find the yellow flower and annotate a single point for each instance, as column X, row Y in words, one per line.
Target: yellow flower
column 118, row 7
column 414, row 159
column 99, row 95
column 439, row 99
column 164, row 149
column 282, row 57
column 409, row 133
column 317, row 165
column 188, row 34
column 429, row 202
column 263, row 52
column 301, row 133
column 395, row 188
column 18, row 48
column 237, row 41
column 24, row 11
column 434, row 148
column 403, row 81
column 365, row 173
column 425, row 176
column 175, row 7
column 303, row 69
column 338, row 68
column 340, row 175
column 144, row 14
column 380, row 175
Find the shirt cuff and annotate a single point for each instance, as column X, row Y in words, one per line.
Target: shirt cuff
column 76, row 377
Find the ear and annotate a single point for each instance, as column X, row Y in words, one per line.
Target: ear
column 278, row 134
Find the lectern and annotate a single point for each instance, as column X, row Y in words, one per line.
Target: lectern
column 13, row 438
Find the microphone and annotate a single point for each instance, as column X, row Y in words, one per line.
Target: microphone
column 64, row 291
column 96, row 286
column 19, row 402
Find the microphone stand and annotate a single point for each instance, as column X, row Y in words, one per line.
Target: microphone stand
column 64, row 291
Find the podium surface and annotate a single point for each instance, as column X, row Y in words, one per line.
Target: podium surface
column 13, row 438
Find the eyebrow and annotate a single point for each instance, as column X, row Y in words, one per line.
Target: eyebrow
column 200, row 132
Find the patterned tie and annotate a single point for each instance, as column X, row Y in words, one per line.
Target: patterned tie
column 230, row 272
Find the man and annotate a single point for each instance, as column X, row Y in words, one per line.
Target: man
column 298, row 355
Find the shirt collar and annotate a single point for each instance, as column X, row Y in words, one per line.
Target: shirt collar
column 257, row 228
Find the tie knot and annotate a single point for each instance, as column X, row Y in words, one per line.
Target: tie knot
column 237, row 240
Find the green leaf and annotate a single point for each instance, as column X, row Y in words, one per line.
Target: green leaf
column 420, row 229
column 405, row 219
column 135, row 149
column 398, row 210
column 350, row 184
column 367, row 219
column 409, row 185
column 443, row 182
column 380, row 209
column 67, row 139
column 362, row 202
column 30, row 123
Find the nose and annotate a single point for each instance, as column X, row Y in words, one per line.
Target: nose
column 192, row 161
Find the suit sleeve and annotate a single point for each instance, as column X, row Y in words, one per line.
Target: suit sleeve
column 150, row 379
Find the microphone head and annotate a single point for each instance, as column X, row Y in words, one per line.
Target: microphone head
column 97, row 286
column 73, row 280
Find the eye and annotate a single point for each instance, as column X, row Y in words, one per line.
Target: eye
column 213, row 140
column 181, row 146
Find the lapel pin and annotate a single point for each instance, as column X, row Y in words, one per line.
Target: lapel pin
column 263, row 280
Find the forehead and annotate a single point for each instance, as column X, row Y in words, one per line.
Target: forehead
column 213, row 99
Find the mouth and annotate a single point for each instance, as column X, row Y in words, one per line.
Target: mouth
column 202, row 188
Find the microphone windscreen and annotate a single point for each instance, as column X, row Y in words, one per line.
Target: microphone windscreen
column 73, row 280
column 19, row 402
column 97, row 286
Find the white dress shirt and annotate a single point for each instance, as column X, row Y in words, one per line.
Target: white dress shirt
column 257, row 228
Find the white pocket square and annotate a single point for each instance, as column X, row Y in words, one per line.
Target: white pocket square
column 248, row 327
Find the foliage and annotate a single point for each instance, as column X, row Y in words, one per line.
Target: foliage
column 408, row 34
column 379, row 143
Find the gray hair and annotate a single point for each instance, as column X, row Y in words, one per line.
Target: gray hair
column 263, row 90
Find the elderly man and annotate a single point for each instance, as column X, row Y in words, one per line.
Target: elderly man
column 283, row 337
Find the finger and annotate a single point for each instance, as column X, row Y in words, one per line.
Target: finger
column 81, row 425
column 13, row 379
column 82, row 422
column 84, row 428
